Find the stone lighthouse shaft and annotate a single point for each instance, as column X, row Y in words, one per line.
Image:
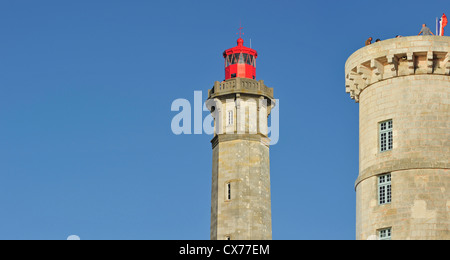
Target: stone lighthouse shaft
column 240, row 105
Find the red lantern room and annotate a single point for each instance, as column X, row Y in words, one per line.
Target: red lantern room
column 240, row 61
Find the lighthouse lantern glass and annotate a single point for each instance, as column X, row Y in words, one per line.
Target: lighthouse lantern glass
column 240, row 62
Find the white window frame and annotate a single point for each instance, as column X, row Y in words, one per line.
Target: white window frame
column 384, row 189
column 386, row 135
column 385, row 234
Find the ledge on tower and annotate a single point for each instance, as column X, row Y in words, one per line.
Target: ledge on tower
column 241, row 86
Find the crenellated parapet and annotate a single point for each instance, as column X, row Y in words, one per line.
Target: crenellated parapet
column 405, row 56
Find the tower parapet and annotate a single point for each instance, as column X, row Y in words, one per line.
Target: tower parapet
column 241, row 85
column 405, row 56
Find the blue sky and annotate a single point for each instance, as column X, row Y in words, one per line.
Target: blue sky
column 86, row 89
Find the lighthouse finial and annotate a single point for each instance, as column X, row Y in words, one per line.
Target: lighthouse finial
column 240, row 33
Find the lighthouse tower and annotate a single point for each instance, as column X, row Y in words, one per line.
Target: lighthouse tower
column 240, row 105
column 402, row 86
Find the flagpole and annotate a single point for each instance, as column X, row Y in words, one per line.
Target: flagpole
column 437, row 33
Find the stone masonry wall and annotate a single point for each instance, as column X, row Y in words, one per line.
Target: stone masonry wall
column 247, row 215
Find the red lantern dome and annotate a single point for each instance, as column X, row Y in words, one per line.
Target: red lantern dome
column 240, row 61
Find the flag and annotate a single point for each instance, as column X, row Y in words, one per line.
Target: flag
column 442, row 23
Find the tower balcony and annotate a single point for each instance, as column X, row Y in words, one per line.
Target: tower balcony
column 240, row 86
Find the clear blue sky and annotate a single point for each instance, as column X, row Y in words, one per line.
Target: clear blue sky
column 86, row 89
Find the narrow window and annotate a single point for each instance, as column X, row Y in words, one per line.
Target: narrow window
column 230, row 117
column 229, row 191
column 385, row 136
column 385, row 234
column 384, row 189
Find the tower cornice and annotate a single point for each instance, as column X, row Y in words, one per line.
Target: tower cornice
column 248, row 137
column 405, row 56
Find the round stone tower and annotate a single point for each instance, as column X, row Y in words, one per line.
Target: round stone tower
column 402, row 86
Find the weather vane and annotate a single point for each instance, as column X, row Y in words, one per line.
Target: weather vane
column 240, row 33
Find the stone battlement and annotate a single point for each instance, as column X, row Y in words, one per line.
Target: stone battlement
column 406, row 56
